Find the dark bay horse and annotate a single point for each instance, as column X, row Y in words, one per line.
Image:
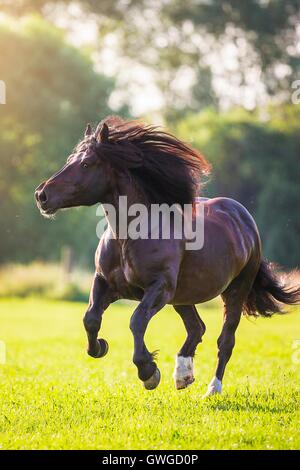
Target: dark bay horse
column 149, row 167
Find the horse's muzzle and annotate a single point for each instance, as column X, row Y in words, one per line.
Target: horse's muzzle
column 42, row 198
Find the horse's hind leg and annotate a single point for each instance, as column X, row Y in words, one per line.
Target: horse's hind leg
column 226, row 341
column 234, row 298
column 195, row 327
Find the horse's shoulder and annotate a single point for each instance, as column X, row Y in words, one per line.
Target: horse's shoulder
column 107, row 256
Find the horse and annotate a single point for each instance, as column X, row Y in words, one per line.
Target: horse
column 150, row 166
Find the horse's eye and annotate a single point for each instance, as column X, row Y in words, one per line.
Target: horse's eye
column 85, row 165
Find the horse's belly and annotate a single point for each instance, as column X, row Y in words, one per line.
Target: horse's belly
column 203, row 278
column 199, row 291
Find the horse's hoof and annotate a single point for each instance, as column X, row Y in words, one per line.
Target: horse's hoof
column 183, row 383
column 153, row 381
column 214, row 388
column 102, row 350
column 183, row 373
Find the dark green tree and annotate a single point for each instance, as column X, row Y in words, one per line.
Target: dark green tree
column 52, row 92
column 170, row 35
column 256, row 162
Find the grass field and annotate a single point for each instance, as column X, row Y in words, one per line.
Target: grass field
column 53, row 396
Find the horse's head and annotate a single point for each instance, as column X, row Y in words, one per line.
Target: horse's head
column 84, row 180
column 130, row 154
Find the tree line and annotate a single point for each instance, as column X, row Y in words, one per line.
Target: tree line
column 53, row 90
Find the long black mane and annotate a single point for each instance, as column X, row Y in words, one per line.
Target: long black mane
column 167, row 169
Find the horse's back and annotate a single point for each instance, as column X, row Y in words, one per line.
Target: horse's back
column 233, row 218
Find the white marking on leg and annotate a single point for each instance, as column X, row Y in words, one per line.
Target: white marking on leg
column 184, row 372
column 214, row 387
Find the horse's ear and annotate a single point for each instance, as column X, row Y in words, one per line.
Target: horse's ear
column 88, row 131
column 103, row 134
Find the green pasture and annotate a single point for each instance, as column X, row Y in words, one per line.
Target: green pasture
column 53, row 396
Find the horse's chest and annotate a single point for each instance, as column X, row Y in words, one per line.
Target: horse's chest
column 117, row 267
column 119, row 279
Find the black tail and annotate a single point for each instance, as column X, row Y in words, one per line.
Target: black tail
column 271, row 291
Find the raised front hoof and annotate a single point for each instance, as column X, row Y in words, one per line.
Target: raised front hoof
column 182, row 383
column 153, row 381
column 101, row 350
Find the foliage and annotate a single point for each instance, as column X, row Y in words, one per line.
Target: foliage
column 49, row 281
column 52, row 92
column 256, row 161
column 53, row 396
column 172, row 36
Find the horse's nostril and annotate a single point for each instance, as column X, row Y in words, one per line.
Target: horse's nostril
column 41, row 196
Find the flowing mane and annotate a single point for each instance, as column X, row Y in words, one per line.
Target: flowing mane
column 167, row 169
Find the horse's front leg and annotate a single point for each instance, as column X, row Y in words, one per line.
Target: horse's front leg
column 155, row 297
column 100, row 298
